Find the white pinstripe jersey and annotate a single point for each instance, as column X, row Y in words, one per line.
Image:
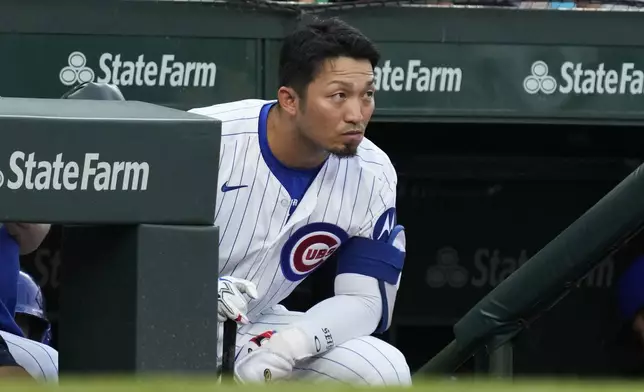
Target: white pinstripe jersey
column 259, row 241
column 39, row 360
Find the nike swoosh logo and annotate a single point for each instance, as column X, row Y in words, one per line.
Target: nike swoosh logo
column 226, row 188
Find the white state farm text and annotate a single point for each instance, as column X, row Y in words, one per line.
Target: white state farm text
column 150, row 73
column 92, row 173
column 415, row 77
column 579, row 80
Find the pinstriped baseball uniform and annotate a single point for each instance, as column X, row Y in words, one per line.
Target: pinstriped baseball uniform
column 39, row 360
column 277, row 225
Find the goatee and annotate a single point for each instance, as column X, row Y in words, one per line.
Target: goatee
column 348, row 151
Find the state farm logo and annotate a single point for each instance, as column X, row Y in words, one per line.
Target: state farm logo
column 416, row 76
column 76, row 70
column 139, row 71
column 539, row 80
column 586, row 78
column 28, row 172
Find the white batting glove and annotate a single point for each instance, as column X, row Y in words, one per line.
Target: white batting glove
column 270, row 356
column 231, row 302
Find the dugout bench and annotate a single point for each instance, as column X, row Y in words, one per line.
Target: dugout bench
column 134, row 185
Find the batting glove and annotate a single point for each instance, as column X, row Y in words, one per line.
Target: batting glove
column 270, row 356
column 232, row 303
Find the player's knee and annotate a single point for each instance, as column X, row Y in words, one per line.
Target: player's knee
column 388, row 364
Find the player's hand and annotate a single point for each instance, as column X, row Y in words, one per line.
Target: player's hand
column 232, row 303
column 261, row 360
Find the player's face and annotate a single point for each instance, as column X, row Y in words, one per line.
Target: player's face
column 338, row 106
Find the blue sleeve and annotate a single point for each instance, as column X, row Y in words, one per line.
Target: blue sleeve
column 9, row 271
column 377, row 259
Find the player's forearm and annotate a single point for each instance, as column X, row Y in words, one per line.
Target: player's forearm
column 354, row 311
column 29, row 236
column 340, row 319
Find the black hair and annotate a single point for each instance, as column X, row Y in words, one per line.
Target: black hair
column 315, row 40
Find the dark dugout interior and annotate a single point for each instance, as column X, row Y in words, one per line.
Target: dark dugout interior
column 477, row 201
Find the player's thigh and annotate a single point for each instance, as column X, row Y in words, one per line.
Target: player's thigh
column 274, row 319
column 365, row 360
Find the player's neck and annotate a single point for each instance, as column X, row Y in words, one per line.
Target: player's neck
column 288, row 146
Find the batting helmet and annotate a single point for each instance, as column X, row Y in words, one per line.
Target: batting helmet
column 31, row 304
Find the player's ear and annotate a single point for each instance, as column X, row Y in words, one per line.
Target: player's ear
column 288, row 100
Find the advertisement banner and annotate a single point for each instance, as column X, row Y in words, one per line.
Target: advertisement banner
column 169, row 71
column 494, row 80
column 510, row 80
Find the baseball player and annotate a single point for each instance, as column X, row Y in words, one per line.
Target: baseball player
column 15, row 239
column 39, row 360
column 298, row 183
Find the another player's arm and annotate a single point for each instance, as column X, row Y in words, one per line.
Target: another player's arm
column 369, row 271
column 29, row 236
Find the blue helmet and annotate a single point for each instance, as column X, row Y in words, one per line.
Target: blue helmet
column 30, row 305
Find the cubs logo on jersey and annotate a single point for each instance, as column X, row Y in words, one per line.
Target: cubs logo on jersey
column 309, row 247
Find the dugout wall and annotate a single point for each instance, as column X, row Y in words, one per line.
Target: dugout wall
column 483, row 198
column 137, row 227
